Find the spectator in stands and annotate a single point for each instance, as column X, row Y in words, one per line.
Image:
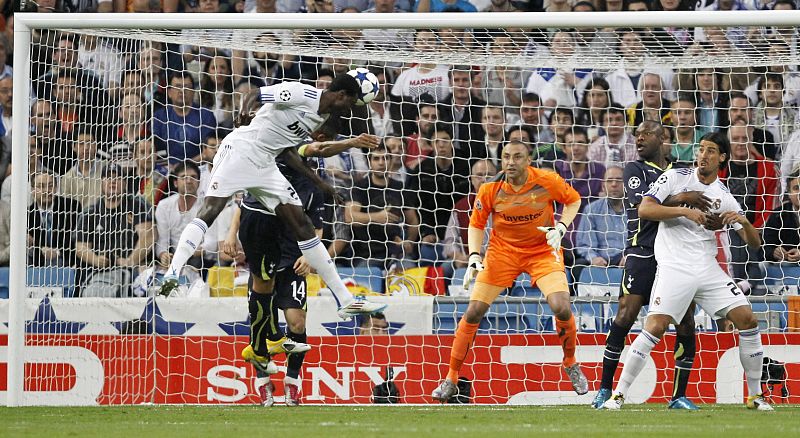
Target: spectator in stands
column 150, row 178
column 532, row 115
column 423, row 78
column 444, row 6
column 711, row 102
column 344, row 169
column 216, row 89
column 207, row 154
column 101, row 58
column 522, row 135
column 596, row 100
column 418, row 148
column 65, row 58
column 82, row 182
column 385, row 227
column 687, row 133
column 174, row 212
column 782, row 232
column 150, row 62
column 653, row 105
column 52, row 220
column 5, row 50
column 624, row 82
column 180, row 126
column 617, row 145
column 438, row 184
column 394, row 159
column 56, row 151
column 461, row 108
column 5, row 233
column 379, row 110
column 6, row 104
column 740, row 110
column 71, row 112
column 455, row 240
column 602, row 231
column 561, row 120
column 501, row 84
column 790, row 158
column 582, row 173
column 373, row 325
column 771, row 113
column 681, row 34
column 491, row 146
column 131, row 127
column 114, row 237
column 559, row 87
column 753, row 180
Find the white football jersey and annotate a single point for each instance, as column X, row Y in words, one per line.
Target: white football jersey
column 288, row 116
column 682, row 241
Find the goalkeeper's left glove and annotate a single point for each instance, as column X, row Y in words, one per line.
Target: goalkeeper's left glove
column 554, row 234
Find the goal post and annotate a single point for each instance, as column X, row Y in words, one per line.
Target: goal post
column 504, row 347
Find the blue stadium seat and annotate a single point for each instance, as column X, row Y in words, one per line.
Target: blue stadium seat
column 524, row 288
column 365, row 275
column 601, row 276
column 780, row 274
column 3, row 282
column 53, row 276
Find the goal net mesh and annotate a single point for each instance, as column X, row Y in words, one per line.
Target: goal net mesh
column 125, row 124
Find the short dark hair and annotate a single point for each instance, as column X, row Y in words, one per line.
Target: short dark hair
column 183, row 166
column 578, row 130
column 722, row 143
column 527, row 97
column 775, row 77
column 325, row 72
column 686, row 97
column 425, row 99
column 784, row 2
column 615, row 108
column 585, row 3
column 439, row 127
column 739, row 95
column 181, row 75
column 362, row 320
column 345, row 82
column 523, row 128
column 562, row 110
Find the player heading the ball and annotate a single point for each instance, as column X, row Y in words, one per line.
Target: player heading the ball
column 524, row 238
column 246, row 161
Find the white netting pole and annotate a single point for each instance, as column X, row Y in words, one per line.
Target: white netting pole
column 19, row 190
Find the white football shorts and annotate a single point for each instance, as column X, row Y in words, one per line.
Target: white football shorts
column 675, row 287
column 233, row 172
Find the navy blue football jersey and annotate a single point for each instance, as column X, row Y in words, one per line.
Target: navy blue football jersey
column 638, row 177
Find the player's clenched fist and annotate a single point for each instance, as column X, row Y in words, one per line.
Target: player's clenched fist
column 554, row 234
column 474, row 265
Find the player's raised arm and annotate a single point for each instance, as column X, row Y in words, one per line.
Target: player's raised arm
column 325, row 149
column 292, row 159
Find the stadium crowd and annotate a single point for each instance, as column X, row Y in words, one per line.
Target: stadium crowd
column 124, row 133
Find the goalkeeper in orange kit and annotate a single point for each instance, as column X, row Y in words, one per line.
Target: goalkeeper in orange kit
column 524, row 238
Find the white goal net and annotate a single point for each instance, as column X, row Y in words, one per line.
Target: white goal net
column 125, row 120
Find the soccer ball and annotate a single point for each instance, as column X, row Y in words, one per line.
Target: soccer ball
column 369, row 85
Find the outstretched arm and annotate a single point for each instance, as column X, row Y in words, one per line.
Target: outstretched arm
column 326, row 149
column 293, row 160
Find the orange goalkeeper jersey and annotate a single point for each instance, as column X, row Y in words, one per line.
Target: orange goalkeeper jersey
column 516, row 214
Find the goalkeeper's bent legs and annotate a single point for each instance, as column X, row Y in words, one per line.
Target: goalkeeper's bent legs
column 296, row 321
column 465, row 335
column 685, row 348
column 192, row 235
column 565, row 325
column 629, row 307
column 314, row 251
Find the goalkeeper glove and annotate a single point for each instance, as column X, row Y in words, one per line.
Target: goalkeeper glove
column 474, row 265
column 554, row 234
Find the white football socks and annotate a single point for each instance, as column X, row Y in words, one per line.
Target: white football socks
column 635, row 360
column 318, row 258
column 190, row 240
column 751, row 353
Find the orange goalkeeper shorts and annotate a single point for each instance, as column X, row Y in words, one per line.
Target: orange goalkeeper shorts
column 502, row 267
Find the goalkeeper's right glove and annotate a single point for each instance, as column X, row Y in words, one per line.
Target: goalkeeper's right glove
column 474, row 265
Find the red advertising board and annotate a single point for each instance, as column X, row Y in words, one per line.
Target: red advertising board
column 518, row 369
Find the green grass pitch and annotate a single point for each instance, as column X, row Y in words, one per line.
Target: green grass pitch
column 417, row 421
